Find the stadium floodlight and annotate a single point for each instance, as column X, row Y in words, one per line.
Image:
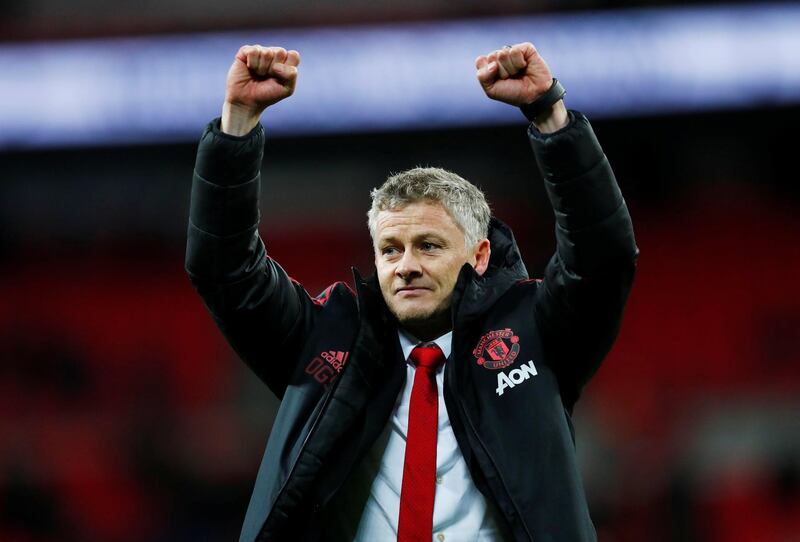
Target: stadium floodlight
column 400, row 76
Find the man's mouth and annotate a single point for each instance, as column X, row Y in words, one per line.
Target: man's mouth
column 410, row 291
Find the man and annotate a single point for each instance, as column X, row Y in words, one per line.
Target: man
column 434, row 401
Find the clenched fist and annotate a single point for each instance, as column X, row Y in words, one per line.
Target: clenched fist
column 517, row 75
column 259, row 77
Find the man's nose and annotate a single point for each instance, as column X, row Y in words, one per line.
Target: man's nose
column 408, row 266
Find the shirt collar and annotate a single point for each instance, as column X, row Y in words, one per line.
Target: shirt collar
column 408, row 342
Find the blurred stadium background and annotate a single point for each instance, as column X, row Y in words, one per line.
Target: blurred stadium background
column 125, row 417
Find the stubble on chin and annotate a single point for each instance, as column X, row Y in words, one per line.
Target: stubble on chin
column 418, row 318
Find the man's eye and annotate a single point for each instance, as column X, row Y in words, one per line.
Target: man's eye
column 429, row 246
column 388, row 251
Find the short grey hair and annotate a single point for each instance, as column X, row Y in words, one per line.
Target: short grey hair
column 463, row 201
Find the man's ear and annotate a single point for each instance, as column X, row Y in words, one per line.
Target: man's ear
column 483, row 252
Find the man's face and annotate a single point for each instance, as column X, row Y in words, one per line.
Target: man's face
column 419, row 252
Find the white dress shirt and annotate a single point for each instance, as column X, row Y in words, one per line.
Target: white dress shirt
column 368, row 506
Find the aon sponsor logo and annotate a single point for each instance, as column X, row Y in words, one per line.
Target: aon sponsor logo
column 515, row 376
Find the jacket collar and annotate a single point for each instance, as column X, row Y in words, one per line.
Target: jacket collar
column 474, row 293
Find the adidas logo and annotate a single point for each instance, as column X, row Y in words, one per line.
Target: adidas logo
column 336, row 358
column 327, row 365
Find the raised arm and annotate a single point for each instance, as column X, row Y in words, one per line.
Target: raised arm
column 586, row 283
column 261, row 312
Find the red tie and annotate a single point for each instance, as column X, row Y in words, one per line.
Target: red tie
column 419, row 471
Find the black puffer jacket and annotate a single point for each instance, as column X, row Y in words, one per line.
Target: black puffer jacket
column 522, row 349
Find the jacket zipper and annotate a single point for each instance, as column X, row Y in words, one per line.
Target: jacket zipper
column 489, row 455
column 311, row 431
column 499, row 474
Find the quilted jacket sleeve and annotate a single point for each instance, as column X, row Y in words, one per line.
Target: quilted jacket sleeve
column 260, row 310
column 586, row 283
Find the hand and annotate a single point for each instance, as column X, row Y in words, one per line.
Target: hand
column 259, row 77
column 517, row 75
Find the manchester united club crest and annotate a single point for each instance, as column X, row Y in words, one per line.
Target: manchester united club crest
column 497, row 349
